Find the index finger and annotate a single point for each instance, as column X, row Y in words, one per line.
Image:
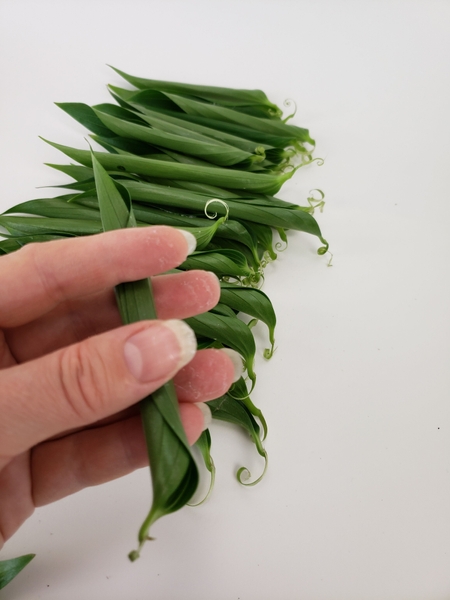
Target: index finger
column 35, row 279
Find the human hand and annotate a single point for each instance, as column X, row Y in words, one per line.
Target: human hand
column 71, row 375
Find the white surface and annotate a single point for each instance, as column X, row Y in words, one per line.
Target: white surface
column 356, row 502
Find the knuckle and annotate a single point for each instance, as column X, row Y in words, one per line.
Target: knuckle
column 84, row 381
column 47, row 277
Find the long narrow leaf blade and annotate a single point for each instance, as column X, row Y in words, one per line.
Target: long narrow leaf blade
column 231, row 178
column 220, row 95
column 173, row 469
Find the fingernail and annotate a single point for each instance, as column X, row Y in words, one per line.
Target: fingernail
column 190, row 239
column 236, row 359
column 160, row 350
column 207, row 416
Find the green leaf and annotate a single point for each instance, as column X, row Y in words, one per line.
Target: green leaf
column 208, row 190
column 204, row 235
column 263, row 234
column 223, row 309
column 16, row 243
column 173, row 469
column 231, row 263
column 229, row 409
column 231, row 178
column 55, row 207
column 229, row 115
column 204, row 446
column 230, row 332
column 169, row 122
column 36, row 225
column 259, row 137
column 252, row 255
column 238, row 232
column 12, row 567
column 257, row 210
column 153, row 98
column 209, row 150
column 77, row 172
column 218, row 95
column 85, row 115
column 239, row 392
column 252, row 302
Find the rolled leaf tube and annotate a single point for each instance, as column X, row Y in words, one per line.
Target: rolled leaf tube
column 232, row 178
column 219, row 95
column 163, row 120
column 228, row 115
column 210, row 150
column 36, row 225
column 173, row 469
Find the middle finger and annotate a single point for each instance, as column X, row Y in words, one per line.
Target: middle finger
column 177, row 296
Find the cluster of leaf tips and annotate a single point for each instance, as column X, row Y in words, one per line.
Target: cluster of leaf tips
column 181, row 155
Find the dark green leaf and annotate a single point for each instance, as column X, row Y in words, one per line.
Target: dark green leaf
column 164, row 120
column 259, row 137
column 37, row 225
column 123, row 145
column 231, row 178
column 16, row 243
column 204, row 446
column 77, row 172
column 86, row 116
column 252, row 302
column 229, row 263
column 216, row 94
column 173, row 469
column 221, row 113
column 223, row 309
column 229, row 409
column 151, row 98
column 231, row 332
column 55, row 207
column 209, row 150
column 12, row 567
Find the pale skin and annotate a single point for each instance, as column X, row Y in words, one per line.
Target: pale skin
column 68, row 392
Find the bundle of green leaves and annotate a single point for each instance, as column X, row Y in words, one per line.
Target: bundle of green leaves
column 180, row 155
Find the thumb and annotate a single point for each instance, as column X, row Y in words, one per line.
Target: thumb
column 90, row 380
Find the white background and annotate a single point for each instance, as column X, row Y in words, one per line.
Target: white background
column 356, row 502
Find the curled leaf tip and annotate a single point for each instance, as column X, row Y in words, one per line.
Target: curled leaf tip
column 243, row 474
column 216, row 201
column 323, row 249
column 281, row 246
column 316, row 202
column 268, row 352
column 309, row 161
column 133, row 555
column 289, row 102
